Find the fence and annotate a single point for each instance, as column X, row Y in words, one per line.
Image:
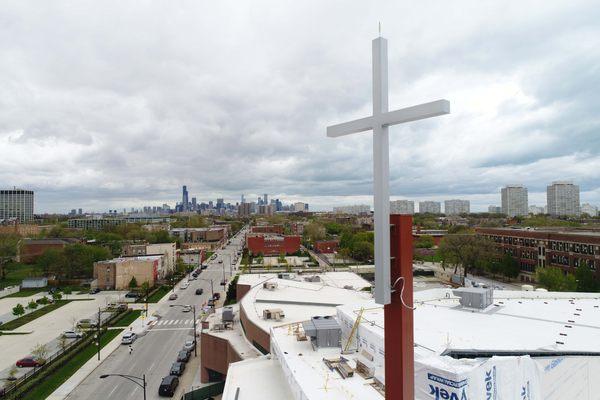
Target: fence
column 18, row 388
column 204, row 392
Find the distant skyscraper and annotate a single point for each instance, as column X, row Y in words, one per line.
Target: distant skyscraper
column 243, row 200
column 456, row 207
column 194, row 204
column 244, row 209
column 265, row 199
column 16, row 203
column 514, row 200
column 563, row 199
column 402, row 207
column 184, row 199
column 432, row 207
column 220, row 204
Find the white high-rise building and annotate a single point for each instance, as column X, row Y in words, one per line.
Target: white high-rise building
column 299, row 207
column 563, row 199
column 457, row 206
column 432, row 207
column 402, row 207
column 356, row 209
column 494, row 210
column 587, row 208
column 16, row 203
column 514, row 200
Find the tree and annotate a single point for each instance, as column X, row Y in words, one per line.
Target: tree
column 8, row 250
column 363, row 250
column 52, row 261
column 344, row 254
column 314, row 231
column 586, row 281
column 63, row 342
column 81, row 258
column 133, row 283
column 467, row 251
column 56, row 296
column 12, row 372
column 509, row 267
column 554, row 279
column 424, row 242
column 18, row 310
column 32, row 305
column 40, row 352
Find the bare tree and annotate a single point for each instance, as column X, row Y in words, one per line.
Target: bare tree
column 40, row 352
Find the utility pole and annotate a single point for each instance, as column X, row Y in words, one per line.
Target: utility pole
column 98, row 332
column 195, row 333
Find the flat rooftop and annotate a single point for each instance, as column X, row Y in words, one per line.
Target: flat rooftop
column 234, row 336
column 245, row 376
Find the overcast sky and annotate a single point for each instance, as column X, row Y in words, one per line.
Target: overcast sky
column 110, row 104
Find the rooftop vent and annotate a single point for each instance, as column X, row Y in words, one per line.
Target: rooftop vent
column 227, row 315
column 276, row 314
column 323, row 331
column 314, row 278
column 286, row 275
column 479, row 298
column 270, row 285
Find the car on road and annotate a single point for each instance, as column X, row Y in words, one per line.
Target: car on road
column 177, row 369
column 204, row 266
column 72, row 334
column 184, row 285
column 173, row 296
column 223, row 282
column 29, row 362
column 128, row 338
column 117, row 306
column 186, row 309
column 216, row 296
column 189, row 344
column 86, row 323
column 183, row 356
column 168, row 385
column 199, row 291
column 94, row 291
column 133, row 295
column 211, row 303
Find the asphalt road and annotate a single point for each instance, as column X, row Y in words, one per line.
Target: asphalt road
column 154, row 353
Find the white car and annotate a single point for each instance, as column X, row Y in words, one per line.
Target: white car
column 72, row 334
column 128, row 338
column 187, row 309
column 184, row 285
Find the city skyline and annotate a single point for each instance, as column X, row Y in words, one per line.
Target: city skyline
column 512, row 121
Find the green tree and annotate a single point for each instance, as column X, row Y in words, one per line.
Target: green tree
column 344, row 254
column 314, row 231
column 32, row 305
column 18, row 310
column 80, row 259
column 8, row 251
column 467, row 251
column 363, row 250
column 554, row 279
column 424, row 242
column 52, row 261
column 586, row 281
column 56, row 296
column 133, row 283
column 63, row 342
column 509, row 267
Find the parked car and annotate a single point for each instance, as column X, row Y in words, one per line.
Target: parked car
column 211, row 303
column 94, row 291
column 186, row 309
column 53, row 290
column 87, row 323
column 168, row 385
column 29, row 362
column 223, row 282
column 183, row 356
column 216, row 296
column 173, row 296
column 220, row 261
column 117, row 306
column 133, row 295
column 72, row 334
column 128, row 338
column 204, row 266
column 199, row 291
column 177, row 369
column 189, row 344
column 184, row 285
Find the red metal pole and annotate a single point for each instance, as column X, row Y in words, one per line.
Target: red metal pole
column 399, row 326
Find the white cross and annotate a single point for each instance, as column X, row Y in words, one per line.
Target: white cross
column 379, row 123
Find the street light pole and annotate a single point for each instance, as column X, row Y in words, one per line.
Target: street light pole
column 98, row 332
column 131, row 378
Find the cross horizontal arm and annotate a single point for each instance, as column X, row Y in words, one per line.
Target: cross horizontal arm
column 348, row 128
column 414, row 113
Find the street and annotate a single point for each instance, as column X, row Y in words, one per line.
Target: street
column 154, row 353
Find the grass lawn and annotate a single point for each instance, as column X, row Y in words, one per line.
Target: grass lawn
column 27, row 292
column 15, row 323
column 50, row 383
column 159, row 294
column 16, row 272
column 127, row 318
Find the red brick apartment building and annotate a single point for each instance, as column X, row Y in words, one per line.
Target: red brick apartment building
column 547, row 247
column 327, row 246
column 269, row 245
column 275, row 229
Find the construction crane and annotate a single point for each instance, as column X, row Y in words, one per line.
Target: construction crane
column 354, row 329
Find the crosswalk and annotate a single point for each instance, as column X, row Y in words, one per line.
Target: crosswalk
column 176, row 322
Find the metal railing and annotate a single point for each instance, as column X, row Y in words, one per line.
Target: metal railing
column 204, row 392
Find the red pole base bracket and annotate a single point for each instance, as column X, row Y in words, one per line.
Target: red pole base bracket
column 399, row 325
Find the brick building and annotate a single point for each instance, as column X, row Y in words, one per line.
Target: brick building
column 271, row 245
column 327, row 246
column 547, row 247
column 275, row 229
column 116, row 274
column 31, row 249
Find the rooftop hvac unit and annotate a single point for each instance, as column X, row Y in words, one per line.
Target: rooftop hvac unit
column 323, row 331
column 227, row 315
column 479, row 298
column 270, row 285
column 286, row 275
column 273, row 313
column 349, row 287
column 314, row 278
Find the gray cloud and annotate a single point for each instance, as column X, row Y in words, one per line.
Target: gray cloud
column 115, row 104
